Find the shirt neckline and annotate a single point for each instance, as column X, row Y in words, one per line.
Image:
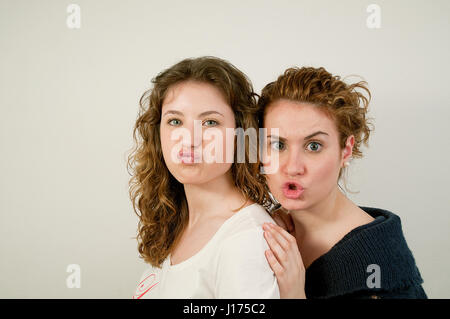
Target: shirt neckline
column 198, row 254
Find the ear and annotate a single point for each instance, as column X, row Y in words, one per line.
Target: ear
column 348, row 150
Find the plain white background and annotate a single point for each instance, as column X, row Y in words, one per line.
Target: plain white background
column 69, row 99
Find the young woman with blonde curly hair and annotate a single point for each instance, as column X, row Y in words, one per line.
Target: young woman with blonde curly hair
column 333, row 248
column 200, row 222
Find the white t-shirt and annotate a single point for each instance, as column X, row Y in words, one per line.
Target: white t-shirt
column 231, row 265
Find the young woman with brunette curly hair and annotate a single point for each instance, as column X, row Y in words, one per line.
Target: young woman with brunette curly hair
column 200, row 220
column 333, row 248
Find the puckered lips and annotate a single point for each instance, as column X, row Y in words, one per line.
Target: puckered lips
column 188, row 157
column 292, row 190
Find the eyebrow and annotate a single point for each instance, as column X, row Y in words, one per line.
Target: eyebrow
column 306, row 138
column 201, row 114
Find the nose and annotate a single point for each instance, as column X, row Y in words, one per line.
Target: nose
column 294, row 164
column 196, row 135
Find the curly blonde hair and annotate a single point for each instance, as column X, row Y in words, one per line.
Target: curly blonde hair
column 158, row 198
column 345, row 103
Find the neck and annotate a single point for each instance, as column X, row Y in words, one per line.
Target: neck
column 325, row 212
column 203, row 198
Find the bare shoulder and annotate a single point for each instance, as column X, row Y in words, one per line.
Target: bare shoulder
column 361, row 217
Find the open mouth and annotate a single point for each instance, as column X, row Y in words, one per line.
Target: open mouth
column 292, row 190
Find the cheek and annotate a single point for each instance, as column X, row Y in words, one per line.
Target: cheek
column 170, row 149
column 325, row 172
column 166, row 144
column 274, row 163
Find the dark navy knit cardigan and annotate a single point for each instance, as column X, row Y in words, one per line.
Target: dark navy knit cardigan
column 343, row 271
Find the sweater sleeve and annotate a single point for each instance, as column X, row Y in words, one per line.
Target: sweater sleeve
column 243, row 271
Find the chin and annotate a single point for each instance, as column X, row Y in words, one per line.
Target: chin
column 183, row 179
column 194, row 179
column 293, row 204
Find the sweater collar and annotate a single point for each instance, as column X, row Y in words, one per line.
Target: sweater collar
column 346, row 267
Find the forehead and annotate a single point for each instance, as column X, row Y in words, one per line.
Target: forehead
column 297, row 119
column 196, row 96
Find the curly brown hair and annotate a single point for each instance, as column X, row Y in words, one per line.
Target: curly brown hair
column 158, row 198
column 344, row 103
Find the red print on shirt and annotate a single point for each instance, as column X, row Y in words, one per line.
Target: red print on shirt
column 145, row 286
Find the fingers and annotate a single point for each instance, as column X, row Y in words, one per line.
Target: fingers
column 286, row 240
column 276, row 244
column 282, row 244
column 280, row 221
column 273, row 263
column 285, row 261
column 278, row 233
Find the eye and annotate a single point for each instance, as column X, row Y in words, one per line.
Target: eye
column 315, row 147
column 278, row 146
column 174, row 122
column 210, row 123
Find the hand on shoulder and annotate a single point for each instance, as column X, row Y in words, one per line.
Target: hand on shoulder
column 285, row 260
